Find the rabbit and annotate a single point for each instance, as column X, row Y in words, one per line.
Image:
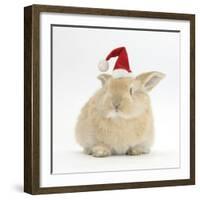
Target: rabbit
column 117, row 119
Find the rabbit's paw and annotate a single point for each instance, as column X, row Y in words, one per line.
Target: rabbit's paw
column 101, row 151
column 137, row 150
column 87, row 151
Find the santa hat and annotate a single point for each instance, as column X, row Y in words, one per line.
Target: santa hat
column 121, row 68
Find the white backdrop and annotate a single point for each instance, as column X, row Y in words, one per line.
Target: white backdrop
column 155, row 166
column 76, row 53
column 11, row 87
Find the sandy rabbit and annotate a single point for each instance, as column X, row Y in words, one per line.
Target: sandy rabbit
column 118, row 119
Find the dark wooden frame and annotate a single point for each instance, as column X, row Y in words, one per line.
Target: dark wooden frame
column 32, row 105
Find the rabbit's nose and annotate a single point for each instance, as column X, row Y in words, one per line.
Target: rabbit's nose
column 116, row 105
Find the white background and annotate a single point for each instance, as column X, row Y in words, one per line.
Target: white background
column 11, row 105
column 165, row 157
column 76, row 53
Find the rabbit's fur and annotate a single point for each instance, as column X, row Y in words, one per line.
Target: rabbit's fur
column 118, row 118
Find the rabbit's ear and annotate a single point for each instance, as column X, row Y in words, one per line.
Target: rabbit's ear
column 103, row 78
column 150, row 79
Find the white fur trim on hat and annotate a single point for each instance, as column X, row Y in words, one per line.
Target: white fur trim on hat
column 120, row 73
column 103, row 65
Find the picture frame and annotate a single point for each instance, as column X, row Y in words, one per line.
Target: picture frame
column 34, row 142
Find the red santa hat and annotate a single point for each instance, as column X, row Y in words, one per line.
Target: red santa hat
column 121, row 68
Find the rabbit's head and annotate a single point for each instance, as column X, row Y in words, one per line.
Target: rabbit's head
column 126, row 97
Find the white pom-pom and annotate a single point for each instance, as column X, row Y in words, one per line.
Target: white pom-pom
column 103, row 65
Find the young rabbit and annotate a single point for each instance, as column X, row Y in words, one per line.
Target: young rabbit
column 118, row 118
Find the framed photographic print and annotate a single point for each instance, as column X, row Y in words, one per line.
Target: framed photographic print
column 109, row 99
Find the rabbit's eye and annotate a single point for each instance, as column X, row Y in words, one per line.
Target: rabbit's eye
column 131, row 91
